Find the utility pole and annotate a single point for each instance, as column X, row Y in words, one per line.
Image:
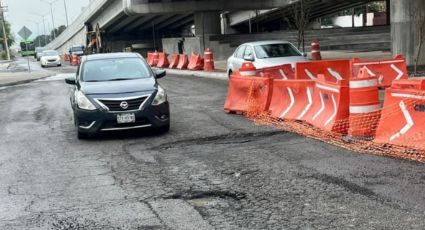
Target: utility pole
column 44, row 25
column 51, row 12
column 6, row 45
column 66, row 13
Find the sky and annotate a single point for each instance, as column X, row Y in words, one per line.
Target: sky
column 24, row 13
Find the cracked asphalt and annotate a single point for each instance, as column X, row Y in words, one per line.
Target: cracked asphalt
column 211, row 171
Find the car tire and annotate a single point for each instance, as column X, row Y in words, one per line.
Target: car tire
column 81, row 135
column 60, row 65
column 42, row 66
column 229, row 74
column 164, row 129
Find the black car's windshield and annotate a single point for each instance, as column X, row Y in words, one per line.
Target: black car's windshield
column 115, row 69
column 276, row 51
column 76, row 49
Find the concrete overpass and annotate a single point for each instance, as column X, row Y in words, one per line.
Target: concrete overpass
column 144, row 23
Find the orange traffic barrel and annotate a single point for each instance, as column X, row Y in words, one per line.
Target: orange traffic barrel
column 315, row 50
column 365, row 107
column 209, row 60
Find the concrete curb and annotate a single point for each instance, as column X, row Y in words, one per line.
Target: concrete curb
column 213, row 75
column 24, row 81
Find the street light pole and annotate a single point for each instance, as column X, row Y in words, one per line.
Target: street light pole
column 44, row 26
column 66, row 13
column 51, row 12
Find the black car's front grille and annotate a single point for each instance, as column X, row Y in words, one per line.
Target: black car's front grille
column 115, row 105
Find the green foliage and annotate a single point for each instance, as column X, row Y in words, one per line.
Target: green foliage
column 58, row 31
column 373, row 7
column 10, row 38
column 3, row 55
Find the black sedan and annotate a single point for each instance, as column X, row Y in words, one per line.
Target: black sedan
column 117, row 91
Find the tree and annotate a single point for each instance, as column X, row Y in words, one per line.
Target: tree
column 419, row 17
column 58, row 31
column 299, row 20
column 42, row 40
column 10, row 38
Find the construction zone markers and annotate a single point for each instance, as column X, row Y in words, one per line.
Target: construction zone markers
column 385, row 70
column 336, row 106
column 405, row 101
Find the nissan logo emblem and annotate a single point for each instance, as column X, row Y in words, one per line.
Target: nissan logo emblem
column 124, row 105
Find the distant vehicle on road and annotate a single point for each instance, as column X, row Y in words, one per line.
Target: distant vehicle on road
column 264, row 54
column 50, row 58
column 117, row 91
column 38, row 52
column 27, row 48
column 77, row 50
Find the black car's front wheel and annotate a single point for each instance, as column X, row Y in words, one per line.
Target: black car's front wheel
column 81, row 135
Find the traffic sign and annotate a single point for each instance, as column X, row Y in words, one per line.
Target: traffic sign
column 25, row 33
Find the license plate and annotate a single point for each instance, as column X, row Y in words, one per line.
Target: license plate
column 126, row 118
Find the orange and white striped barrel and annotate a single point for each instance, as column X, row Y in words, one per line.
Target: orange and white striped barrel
column 315, row 50
column 365, row 108
column 208, row 60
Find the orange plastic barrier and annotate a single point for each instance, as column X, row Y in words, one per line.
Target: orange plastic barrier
column 162, row 60
column 334, row 70
column 277, row 72
column 209, row 60
column 183, row 61
column 174, row 61
column 196, row 62
column 291, row 99
column 403, row 122
column 150, row 58
column 153, row 58
column 75, row 60
column 386, row 70
column 246, row 92
column 365, row 108
column 330, row 105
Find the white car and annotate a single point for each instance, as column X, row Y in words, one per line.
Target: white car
column 50, row 58
column 265, row 54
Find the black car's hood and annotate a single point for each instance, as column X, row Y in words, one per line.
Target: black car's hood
column 118, row 87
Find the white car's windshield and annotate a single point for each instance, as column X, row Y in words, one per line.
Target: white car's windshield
column 50, row 53
column 276, row 51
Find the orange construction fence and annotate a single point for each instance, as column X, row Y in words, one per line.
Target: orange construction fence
column 387, row 70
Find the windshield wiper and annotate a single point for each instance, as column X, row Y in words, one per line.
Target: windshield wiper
column 120, row 79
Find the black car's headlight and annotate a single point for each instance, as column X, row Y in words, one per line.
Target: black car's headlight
column 83, row 102
column 161, row 96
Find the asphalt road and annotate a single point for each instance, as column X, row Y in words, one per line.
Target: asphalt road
column 211, row 171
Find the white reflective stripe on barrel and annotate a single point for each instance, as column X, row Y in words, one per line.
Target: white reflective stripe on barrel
column 248, row 73
column 365, row 108
column 363, row 83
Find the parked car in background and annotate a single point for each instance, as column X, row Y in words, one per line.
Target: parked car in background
column 76, row 50
column 50, row 58
column 118, row 91
column 38, row 52
column 265, row 54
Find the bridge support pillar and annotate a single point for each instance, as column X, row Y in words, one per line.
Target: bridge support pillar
column 207, row 23
column 407, row 17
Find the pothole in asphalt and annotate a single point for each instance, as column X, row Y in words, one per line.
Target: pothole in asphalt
column 58, row 77
column 208, row 198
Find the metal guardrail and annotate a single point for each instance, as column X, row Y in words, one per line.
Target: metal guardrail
column 77, row 25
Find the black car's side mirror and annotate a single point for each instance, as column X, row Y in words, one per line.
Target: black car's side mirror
column 71, row 80
column 160, row 73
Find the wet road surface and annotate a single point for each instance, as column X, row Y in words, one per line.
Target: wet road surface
column 211, row 171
